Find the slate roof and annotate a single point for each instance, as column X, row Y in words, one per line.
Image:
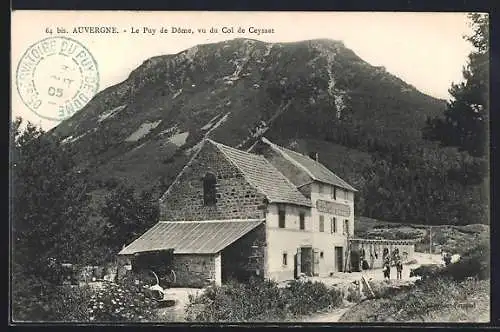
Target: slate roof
column 191, row 237
column 261, row 174
column 316, row 170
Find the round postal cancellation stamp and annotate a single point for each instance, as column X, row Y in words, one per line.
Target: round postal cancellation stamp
column 57, row 77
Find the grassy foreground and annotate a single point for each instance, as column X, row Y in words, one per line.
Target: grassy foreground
column 435, row 300
column 459, row 292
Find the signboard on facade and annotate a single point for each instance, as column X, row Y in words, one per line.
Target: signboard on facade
column 333, row 208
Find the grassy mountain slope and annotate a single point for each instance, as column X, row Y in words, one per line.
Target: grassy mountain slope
column 142, row 131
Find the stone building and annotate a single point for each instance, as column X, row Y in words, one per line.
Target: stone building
column 235, row 214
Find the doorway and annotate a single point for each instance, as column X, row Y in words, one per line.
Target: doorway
column 304, row 261
column 339, row 258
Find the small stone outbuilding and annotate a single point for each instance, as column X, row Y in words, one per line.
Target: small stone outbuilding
column 205, row 253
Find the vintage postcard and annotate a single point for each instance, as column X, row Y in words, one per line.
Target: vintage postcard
column 236, row 167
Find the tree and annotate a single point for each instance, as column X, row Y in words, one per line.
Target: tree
column 465, row 123
column 128, row 216
column 48, row 200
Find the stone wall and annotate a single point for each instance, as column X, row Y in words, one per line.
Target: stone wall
column 245, row 257
column 191, row 270
column 196, row 270
column 236, row 198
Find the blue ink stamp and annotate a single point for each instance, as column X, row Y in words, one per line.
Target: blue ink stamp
column 56, row 77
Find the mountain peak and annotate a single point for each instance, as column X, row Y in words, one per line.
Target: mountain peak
column 234, row 92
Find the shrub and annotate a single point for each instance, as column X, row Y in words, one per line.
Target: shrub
column 34, row 299
column 353, row 294
column 308, row 297
column 261, row 300
column 70, row 304
column 123, row 301
column 425, row 271
column 426, row 297
column 111, row 183
column 474, row 263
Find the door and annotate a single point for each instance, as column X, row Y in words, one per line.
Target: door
column 306, row 260
column 339, row 258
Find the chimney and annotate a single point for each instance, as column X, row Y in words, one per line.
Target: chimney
column 314, row 155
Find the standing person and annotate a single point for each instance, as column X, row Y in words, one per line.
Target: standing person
column 387, row 268
column 447, row 259
column 399, row 267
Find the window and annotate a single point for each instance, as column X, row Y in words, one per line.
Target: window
column 281, row 217
column 346, row 227
column 302, row 220
column 334, row 192
column 333, row 225
column 209, row 190
column 321, row 255
column 320, row 188
column 285, row 258
column 346, row 194
column 321, row 223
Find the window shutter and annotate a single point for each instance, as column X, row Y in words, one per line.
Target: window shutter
column 316, row 262
column 281, row 216
column 302, row 220
column 298, row 262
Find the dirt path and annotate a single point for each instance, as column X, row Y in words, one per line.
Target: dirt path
column 176, row 313
column 327, row 317
column 377, row 274
column 343, row 278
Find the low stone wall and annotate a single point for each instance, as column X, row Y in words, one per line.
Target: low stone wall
column 374, row 253
column 197, row 270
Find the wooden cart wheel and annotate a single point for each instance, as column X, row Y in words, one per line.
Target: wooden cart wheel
column 173, row 277
column 147, row 277
column 168, row 279
column 156, row 277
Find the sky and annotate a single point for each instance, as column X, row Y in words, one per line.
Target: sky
column 424, row 49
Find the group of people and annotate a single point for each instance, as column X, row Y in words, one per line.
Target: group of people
column 398, row 262
column 388, row 261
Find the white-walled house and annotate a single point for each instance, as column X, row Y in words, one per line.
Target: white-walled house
column 235, row 214
column 330, row 218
